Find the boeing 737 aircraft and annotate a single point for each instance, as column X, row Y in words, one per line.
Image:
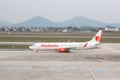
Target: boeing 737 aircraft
column 67, row 46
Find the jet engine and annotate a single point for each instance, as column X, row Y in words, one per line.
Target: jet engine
column 63, row 50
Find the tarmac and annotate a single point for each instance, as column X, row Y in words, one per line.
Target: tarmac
column 102, row 63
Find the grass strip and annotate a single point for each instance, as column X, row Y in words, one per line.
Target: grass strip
column 14, row 46
column 54, row 39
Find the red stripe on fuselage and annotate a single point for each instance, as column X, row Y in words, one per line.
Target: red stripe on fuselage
column 85, row 45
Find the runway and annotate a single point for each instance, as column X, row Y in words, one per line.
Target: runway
column 102, row 63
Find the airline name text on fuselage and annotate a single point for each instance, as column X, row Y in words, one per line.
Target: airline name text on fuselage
column 49, row 45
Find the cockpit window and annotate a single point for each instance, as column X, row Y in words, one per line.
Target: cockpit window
column 34, row 44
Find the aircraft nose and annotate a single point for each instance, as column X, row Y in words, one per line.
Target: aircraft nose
column 31, row 47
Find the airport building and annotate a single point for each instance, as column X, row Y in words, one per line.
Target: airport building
column 111, row 29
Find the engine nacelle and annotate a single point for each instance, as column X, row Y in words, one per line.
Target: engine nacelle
column 63, row 50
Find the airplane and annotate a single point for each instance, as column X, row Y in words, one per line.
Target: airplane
column 63, row 47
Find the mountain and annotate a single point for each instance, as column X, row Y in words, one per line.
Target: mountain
column 37, row 22
column 81, row 21
column 4, row 23
column 76, row 21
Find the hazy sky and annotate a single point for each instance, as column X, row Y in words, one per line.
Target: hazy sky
column 16, row 11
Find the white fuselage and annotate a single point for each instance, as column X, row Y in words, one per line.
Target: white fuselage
column 38, row 46
column 67, row 45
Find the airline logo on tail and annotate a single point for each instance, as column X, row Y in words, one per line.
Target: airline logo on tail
column 97, row 37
